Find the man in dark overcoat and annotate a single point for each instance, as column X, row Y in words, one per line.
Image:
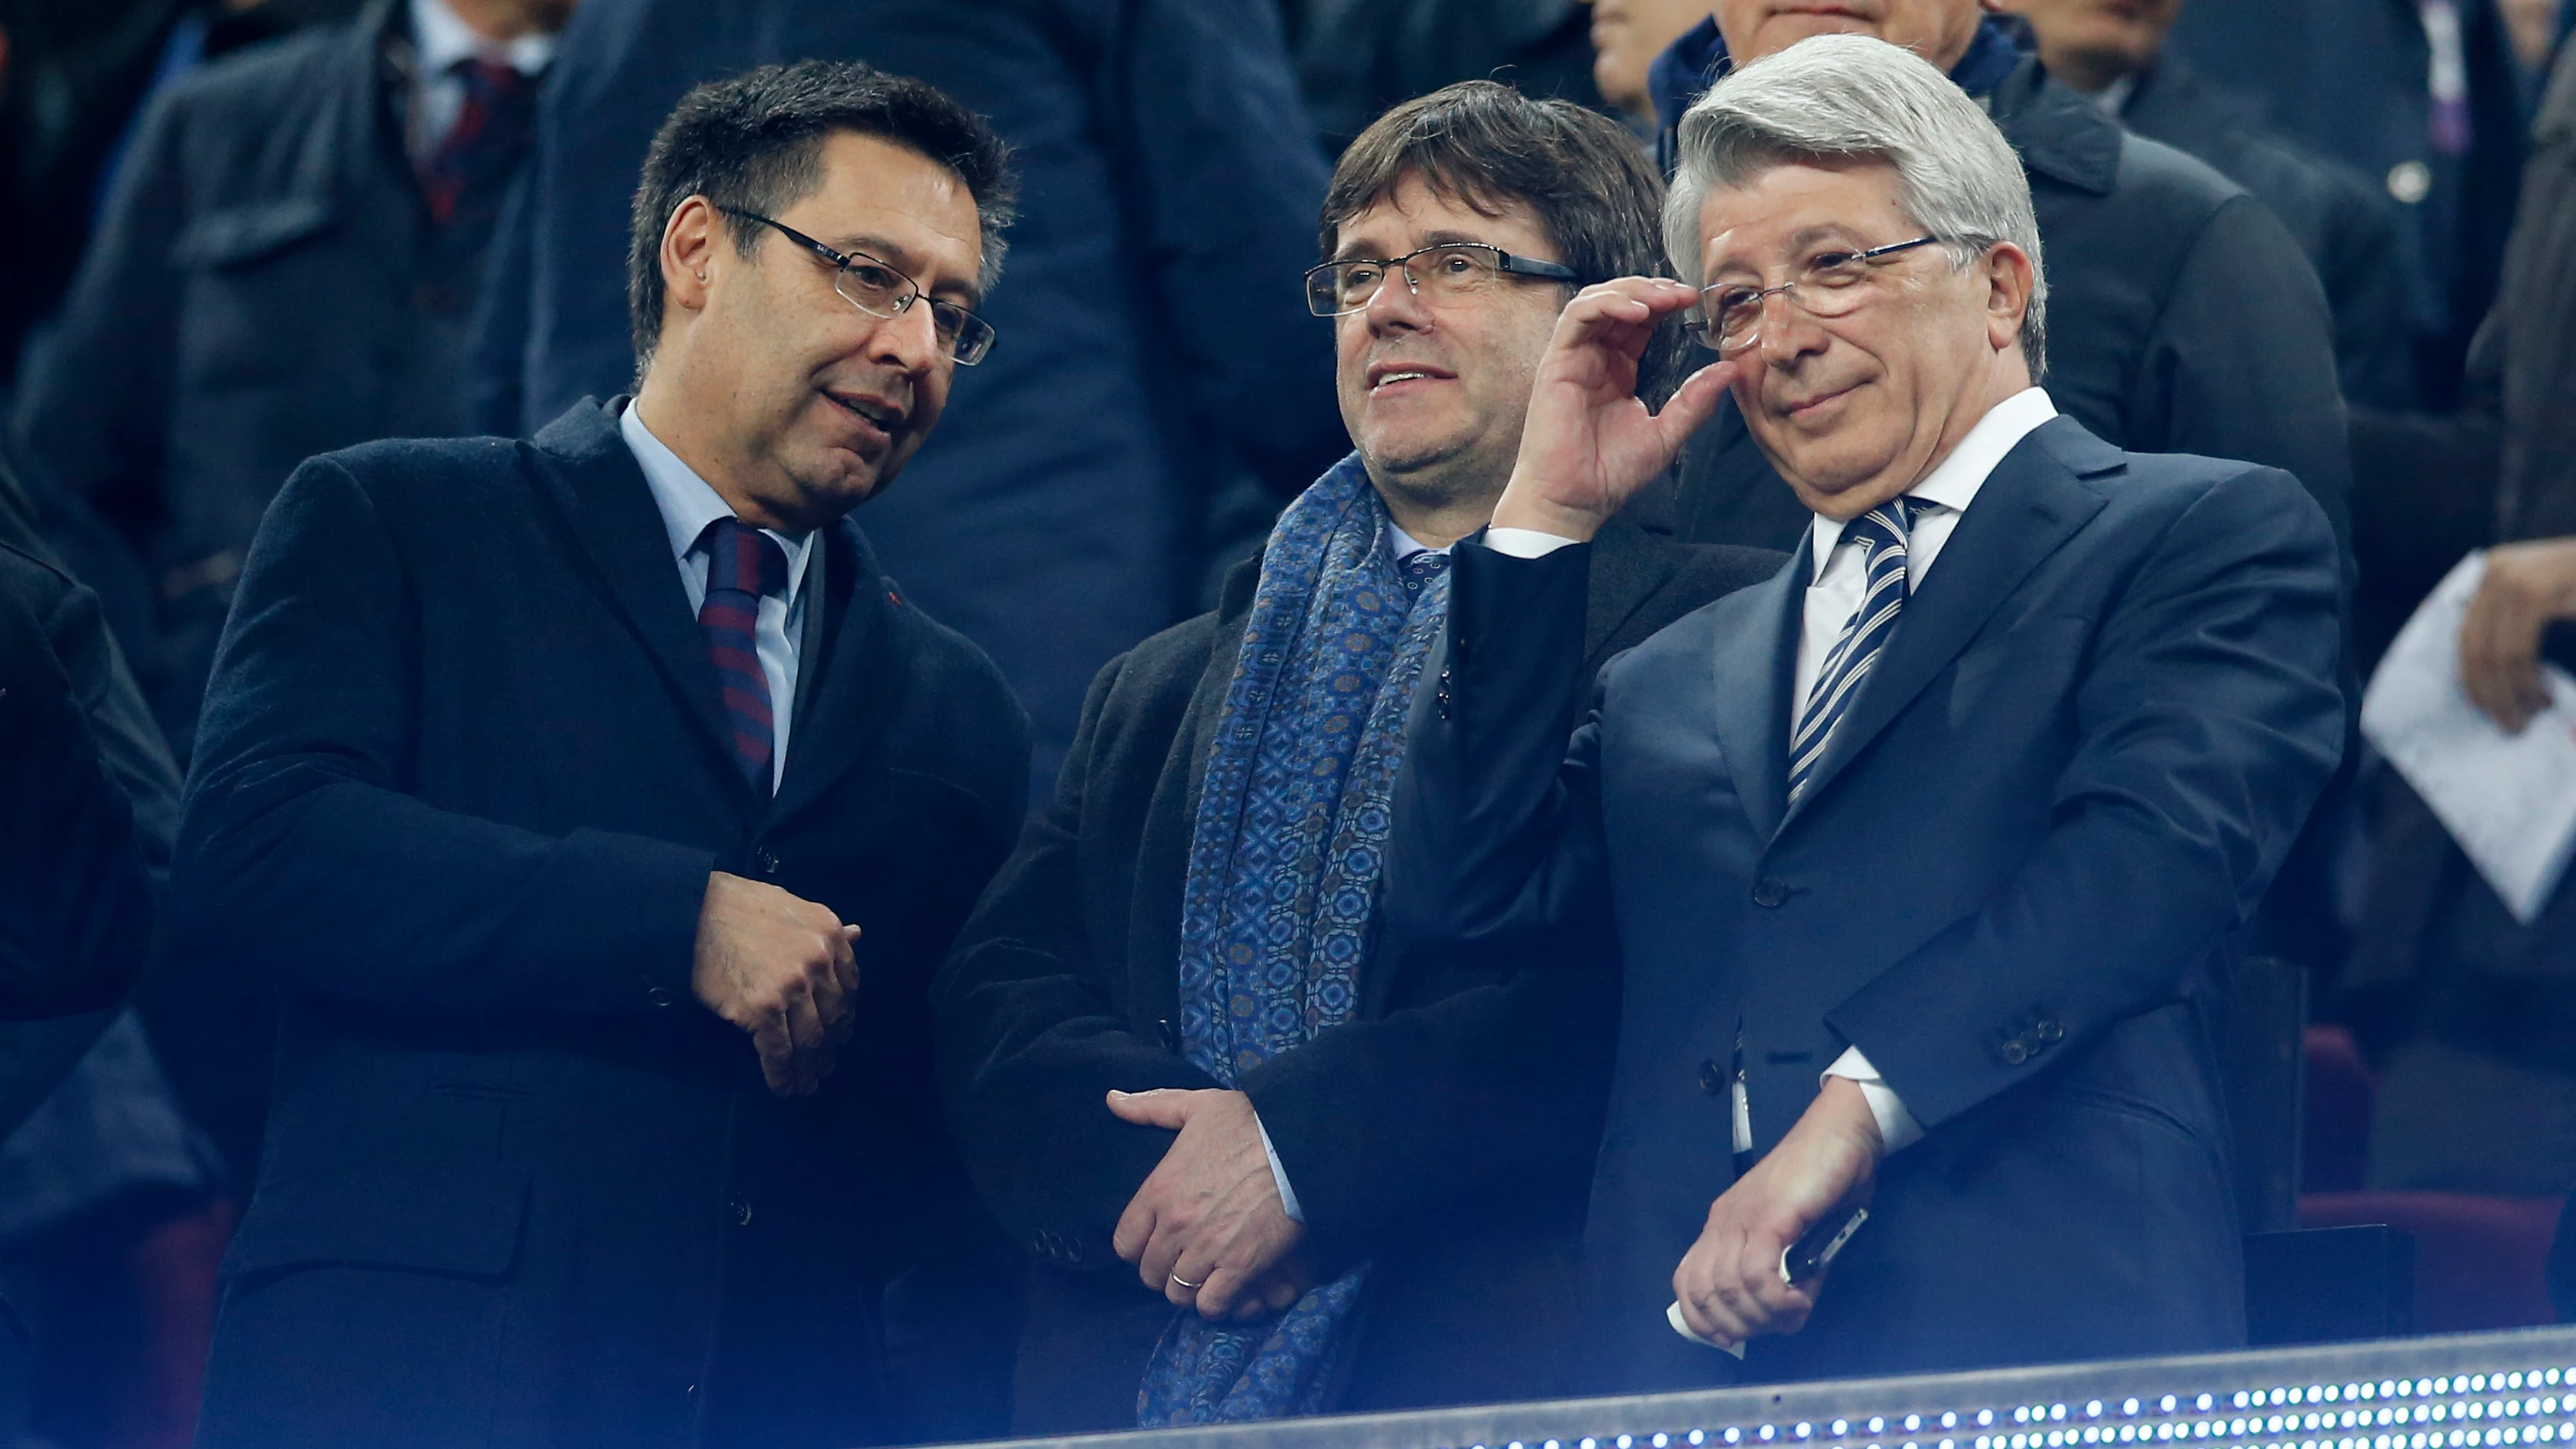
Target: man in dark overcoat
column 588, row 794
column 1348, row 1175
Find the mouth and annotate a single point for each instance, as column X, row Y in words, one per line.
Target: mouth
column 883, row 418
column 1810, row 407
column 1837, row 8
column 1394, row 374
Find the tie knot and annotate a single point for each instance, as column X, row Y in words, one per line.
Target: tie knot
column 743, row 559
column 494, row 78
column 1889, row 523
column 1416, row 570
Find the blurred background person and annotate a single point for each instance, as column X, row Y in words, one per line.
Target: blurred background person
column 2111, row 52
column 1157, row 347
column 1627, row 35
column 286, row 266
column 1356, row 59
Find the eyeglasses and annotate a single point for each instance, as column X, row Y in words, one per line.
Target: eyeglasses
column 1444, row 273
column 879, row 290
column 1729, row 316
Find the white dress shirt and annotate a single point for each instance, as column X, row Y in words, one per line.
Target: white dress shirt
column 439, row 39
column 1942, row 498
column 1404, row 546
column 688, row 504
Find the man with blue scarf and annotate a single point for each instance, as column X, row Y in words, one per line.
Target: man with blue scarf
column 1268, row 1160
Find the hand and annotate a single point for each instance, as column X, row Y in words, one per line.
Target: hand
column 780, row 968
column 1210, row 1214
column 1729, row 1284
column 2526, row 586
column 1589, row 444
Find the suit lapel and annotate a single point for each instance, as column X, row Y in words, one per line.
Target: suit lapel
column 601, row 490
column 1757, row 646
column 847, row 686
column 2030, row 504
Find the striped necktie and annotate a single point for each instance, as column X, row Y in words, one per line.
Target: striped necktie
column 1882, row 534
column 743, row 566
column 482, row 146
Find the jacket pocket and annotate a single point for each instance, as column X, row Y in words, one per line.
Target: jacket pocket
column 236, row 235
column 429, row 1218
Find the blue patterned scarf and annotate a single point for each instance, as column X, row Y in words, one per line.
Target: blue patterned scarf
column 1284, row 862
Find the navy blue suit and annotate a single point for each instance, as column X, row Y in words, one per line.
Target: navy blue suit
column 462, row 776
column 2012, row 883
column 1154, row 336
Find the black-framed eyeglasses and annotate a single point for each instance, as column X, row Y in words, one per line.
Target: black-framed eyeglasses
column 1729, row 316
column 1448, row 272
column 881, row 290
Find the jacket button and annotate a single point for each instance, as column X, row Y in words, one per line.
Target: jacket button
column 766, row 859
column 1769, row 892
column 2048, row 1031
column 660, row 996
column 741, row 1210
column 2015, row 1053
column 1712, row 1079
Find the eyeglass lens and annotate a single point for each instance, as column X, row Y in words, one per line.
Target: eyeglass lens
column 1437, row 273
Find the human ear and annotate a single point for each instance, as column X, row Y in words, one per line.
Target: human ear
column 2009, row 279
column 689, row 242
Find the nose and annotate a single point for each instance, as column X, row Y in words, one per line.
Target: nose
column 909, row 339
column 1396, row 303
column 1787, row 332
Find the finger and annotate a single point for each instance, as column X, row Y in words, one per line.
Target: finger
column 804, row 1035
column 1280, row 1293
column 846, row 961
column 777, row 1053
column 1712, row 1319
column 1135, row 1226
column 1161, row 1107
column 2499, row 642
column 1221, row 1291
column 1162, row 1259
column 1695, row 402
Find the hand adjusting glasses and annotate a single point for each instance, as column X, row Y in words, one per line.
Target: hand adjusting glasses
column 1728, row 319
column 1435, row 274
column 879, row 290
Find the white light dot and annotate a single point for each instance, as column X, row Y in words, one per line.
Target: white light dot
column 1841, row 1427
column 2093, row 1410
column 1985, row 1417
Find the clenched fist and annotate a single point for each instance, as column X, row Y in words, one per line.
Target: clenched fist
column 780, row 968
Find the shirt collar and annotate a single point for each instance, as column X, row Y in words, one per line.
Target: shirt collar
column 1405, row 544
column 440, row 38
column 688, row 503
column 1954, row 481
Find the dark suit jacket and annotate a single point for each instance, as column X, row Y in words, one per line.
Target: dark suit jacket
column 265, row 285
column 2182, row 318
column 1443, row 1133
column 2342, row 220
column 1154, row 336
column 2011, row 883
column 463, row 778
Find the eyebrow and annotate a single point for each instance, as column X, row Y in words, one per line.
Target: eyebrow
column 1804, row 238
column 902, row 259
column 1350, row 250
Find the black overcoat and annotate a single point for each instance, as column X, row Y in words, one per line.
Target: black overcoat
column 462, row 780
column 1445, row 1134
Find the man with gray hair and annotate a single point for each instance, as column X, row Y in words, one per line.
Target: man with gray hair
column 1923, row 879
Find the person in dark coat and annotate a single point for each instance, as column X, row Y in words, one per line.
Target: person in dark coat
column 2462, row 1004
column 1926, row 859
column 1405, row 1151
column 1156, row 354
column 2187, row 320
column 2114, row 55
column 588, row 794
column 286, row 267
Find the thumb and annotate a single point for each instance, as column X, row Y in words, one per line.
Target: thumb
column 1161, row 1107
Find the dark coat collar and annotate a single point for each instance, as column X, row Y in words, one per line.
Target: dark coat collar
column 846, row 683
column 2037, row 498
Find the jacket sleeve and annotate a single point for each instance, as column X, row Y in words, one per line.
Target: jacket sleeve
column 75, row 899
column 2241, row 362
column 93, row 413
column 300, row 847
column 1495, row 856
column 2209, row 721
column 1226, row 180
column 1033, row 1036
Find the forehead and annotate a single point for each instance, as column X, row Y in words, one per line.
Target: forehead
column 897, row 205
column 1782, row 207
column 1414, row 215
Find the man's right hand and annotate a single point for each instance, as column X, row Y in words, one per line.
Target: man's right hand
column 1589, row 443
column 780, row 968
column 2527, row 587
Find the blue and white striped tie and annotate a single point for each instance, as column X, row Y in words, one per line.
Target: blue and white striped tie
column 1882, row 534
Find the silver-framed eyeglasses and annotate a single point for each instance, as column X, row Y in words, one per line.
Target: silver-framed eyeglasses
column 1444, row 273
column 880, row 290
column 1728, row 318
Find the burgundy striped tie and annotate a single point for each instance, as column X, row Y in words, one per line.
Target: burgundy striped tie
column 743, row 565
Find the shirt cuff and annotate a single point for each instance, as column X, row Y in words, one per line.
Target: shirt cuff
column 1279, row 1175
column 1897, row 1128
column 1524, row 542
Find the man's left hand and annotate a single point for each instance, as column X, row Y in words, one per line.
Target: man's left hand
column 2527, row 586
column 1208, row 1225
column 1729, row 1283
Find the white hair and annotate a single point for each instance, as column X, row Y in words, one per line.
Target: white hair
column 1854, row 97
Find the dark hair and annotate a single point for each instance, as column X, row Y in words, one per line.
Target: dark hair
column 1485, row 146
column 754, row 142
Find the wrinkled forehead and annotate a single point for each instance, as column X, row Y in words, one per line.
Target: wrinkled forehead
column 1787, row 208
